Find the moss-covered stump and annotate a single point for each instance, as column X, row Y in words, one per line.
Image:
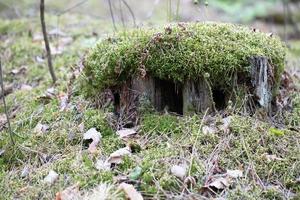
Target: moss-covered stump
column 187, row 67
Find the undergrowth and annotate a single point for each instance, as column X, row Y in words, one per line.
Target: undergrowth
column 163, row 140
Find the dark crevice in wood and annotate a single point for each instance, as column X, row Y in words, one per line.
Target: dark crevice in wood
column 168, row 96
column 219, row 97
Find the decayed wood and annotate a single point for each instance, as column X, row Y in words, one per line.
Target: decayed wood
column 196, row 96
column 144, row 86
column 262, row 79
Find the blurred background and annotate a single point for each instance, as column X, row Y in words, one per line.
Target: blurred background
column 279, row 16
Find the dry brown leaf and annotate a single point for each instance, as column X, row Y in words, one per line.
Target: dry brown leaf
column 130, row 192
column 70, row 193
column 124, row 133
column 94, row 135
column 117, row 156
column 220, row 183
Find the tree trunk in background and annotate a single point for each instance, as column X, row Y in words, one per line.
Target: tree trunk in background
column 48, row 50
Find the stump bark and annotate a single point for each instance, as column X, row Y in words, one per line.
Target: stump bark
column 262, row 80
column 195, row 96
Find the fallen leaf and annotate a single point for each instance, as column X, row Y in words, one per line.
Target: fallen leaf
column 39, row 59
column 220, row 183
column 94, row 135
column 102, row 165
column 20, row 70
column 63, row 41
column 37, row 37
column 226, row 124
column 81, row 127
column 48, row 95
column 101, row 192
column 124, row 133
column 56, row 50
column 25, row 172
column 130, row 192
column 179, row 171
column 70, row 193
column 25, row 87
column 209, row 130
column 41, row 128
column 7, row 89
column 56, row 32
column 51, row 177
column 63, row 101
column 3, row 119
column 235, row 173
column 117, row 156
column 270, row 158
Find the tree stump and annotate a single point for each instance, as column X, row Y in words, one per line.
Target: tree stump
column 196, row 96
column 262, row 80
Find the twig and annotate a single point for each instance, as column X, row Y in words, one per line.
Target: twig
column 177, row 10
column 112, row 15
column 121, row 14
column 42, row 12
column 196, row 140
column 169, row 10
column 72, row 7
column 5, row 107
column 131, row 11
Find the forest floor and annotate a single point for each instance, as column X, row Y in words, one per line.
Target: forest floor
column 232, row 156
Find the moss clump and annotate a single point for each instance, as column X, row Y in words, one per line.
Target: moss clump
column 180, row 52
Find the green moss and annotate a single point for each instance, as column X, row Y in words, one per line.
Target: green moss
column 96, row 119
column 180, row 52
column 160, row 124
column 251, row 143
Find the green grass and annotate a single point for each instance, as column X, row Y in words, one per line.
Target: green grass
column 163, row 140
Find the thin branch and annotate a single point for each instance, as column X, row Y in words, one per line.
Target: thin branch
column 177, row 10
column 112, row 15
column 72, row 7
column 121, row 13
column 11, row 134
column 42, row 12
column 131, row 11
